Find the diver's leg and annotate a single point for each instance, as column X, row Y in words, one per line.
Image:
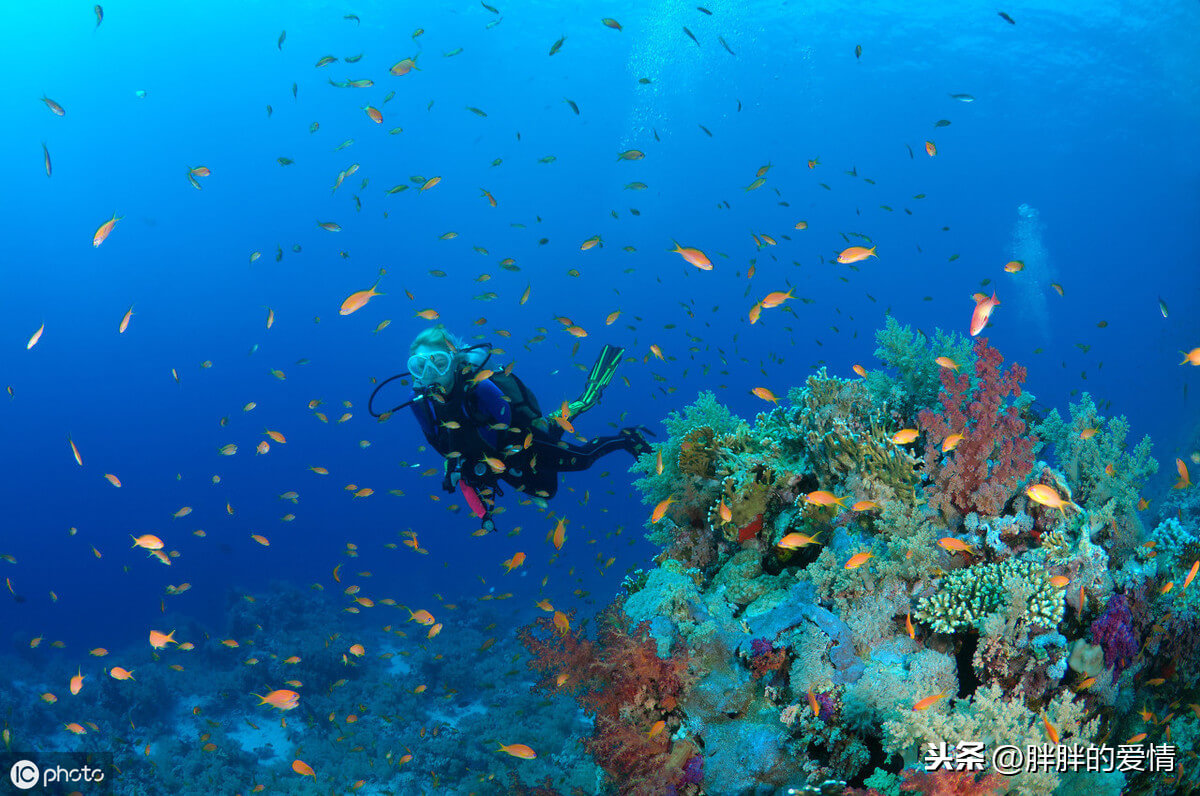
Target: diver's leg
column 601, row 374
column 571, row 457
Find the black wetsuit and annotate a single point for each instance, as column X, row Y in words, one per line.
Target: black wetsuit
column 476, row 420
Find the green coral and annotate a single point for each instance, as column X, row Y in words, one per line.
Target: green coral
column 991, row 719
column 1084, row 461
column 970, row 595
column 706, row 410
column 887, row 470
column 912, row 356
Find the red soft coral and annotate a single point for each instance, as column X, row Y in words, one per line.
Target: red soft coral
column 994, row 455
column 622, row 683
column 952, row 783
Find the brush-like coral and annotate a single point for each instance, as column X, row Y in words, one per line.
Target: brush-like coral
column 697, row 452
column 994, row 454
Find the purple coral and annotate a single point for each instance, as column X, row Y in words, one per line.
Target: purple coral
column 761, row 646
column 693, row 771
column 825, row 703
column 1114, row 632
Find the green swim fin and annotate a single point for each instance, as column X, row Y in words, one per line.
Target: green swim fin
column 601, row 374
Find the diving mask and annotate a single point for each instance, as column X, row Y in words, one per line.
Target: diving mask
column 430, row 366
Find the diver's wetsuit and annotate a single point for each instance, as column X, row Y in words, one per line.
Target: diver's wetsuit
column 453, row 425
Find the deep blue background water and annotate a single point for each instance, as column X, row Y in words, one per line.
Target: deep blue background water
column 1088, row 114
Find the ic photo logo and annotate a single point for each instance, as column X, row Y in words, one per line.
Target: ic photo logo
column 24, row 774
column 68, row 769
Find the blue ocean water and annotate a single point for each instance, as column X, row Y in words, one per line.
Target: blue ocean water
column 1076, row 155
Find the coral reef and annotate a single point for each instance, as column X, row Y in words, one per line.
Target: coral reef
column 818, row 646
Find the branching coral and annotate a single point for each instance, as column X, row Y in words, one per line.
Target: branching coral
column 968, row 596
column 994, row 453
column 887, row 470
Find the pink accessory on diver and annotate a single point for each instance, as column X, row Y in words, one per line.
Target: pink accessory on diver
column 472, row 498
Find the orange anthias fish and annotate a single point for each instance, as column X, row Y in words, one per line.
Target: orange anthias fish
column 77, row 682
column 1191, row 574
column 794, row 541
column 824, row 497
column 1047, row 496
column 930, row 148
column 765, row 394
column 422, row 616
column 512, row 563
column 952, row 545
column 356, row 301
column 1184, row 480
column 104, row 230
column 856, row 254
column 929, row 701
column 303, row 769
column 518, row 750
column 951, row 442
column 947, row 362
column 693, row 256
column 560, row 535
column 1014, row 266
column 1051, row 733
column 775, row 299
column 148, row 541
column 812, row 702
column 904, row 436
column 1191, row 357
column 983, row 311
column 660, row 510
column 161, row 640
column 281, row 699
column 858, row 559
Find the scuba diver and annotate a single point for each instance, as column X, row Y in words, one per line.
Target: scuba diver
column 489, row 428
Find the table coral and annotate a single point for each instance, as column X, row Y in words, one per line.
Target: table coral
column 995, row 454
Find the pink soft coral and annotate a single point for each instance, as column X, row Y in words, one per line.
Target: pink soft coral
column 620, row 681
column 952, row 783
column 994, row 454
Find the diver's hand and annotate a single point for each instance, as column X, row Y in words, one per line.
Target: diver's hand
column 450, row 477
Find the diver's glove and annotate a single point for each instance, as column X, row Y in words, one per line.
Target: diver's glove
column 450, row 476
column 635, row 440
